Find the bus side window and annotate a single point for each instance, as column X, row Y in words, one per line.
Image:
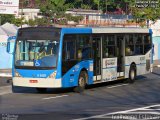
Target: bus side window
column 79, row 53
column 129, row 48
column 84, row 47
column 139, row 44
column 147, row 43
column 109, row 46
column 68, row 55
column 69, row 47
column 86, row 51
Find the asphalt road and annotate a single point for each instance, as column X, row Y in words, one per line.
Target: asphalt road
column 102, row 101
column 5, row 81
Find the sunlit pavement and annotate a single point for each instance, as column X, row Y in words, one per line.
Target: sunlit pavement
column 103, row 101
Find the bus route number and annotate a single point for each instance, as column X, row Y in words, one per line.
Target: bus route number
column 41, row 75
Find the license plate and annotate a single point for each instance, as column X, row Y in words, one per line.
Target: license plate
column 33, row 81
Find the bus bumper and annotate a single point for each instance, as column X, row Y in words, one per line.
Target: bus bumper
column 37, row 82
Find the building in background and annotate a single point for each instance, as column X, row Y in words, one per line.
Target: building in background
column 28, row 10
column 155, row 26
column 7, row 32
column 98, row 18
column 9, row 6
column 29, row 13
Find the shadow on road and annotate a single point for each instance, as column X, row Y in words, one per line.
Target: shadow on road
column 156, row 73
column 70, row 90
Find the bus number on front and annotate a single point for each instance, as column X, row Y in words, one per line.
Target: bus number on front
column 41, row 75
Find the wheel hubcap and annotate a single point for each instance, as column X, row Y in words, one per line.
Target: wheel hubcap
column 81, row 82
column 132, row 74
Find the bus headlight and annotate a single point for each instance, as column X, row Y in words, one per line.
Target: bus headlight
column 53, row 75
column 16, row 74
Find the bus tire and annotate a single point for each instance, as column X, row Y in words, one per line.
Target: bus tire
column 14, row 89
column 41, row 90
column 81, row 82
column 132, row 74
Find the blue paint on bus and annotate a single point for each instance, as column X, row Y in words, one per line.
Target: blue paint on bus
column 68, row 31
column 70, row 79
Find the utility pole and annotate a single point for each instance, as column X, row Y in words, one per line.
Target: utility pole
column 21, row 12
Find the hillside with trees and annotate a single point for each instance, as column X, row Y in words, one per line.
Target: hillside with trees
column 56, row 8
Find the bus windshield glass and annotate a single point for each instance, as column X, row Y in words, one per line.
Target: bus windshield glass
column 37, row 53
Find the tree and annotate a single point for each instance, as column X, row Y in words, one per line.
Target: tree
column 97, row 2
column 18, row 21
column 50, row 8
column 53, row 8
column 142, row 14
column 80, row 4
column 31, row 22
column 6, row 18
column 42, row 21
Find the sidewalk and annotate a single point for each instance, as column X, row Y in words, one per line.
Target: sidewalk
column 156, row 63
column 5, row 72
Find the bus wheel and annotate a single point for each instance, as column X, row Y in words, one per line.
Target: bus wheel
column 14, row 89
column 81, row 82
column 132, row 74
column 41, row 90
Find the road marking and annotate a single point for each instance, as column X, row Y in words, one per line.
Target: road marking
column 117, row 86
column 55, row 97
column 120, row 112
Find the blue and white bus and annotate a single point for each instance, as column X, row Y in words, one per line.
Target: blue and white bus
column 49, row 57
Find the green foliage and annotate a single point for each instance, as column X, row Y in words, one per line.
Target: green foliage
column 31, row 22
column 76, row 19
column 146, row 13
column 56, row 8
column 42, row 21
column 6, row 18
column 83, row 6
column 51, row 8
column 18, row 21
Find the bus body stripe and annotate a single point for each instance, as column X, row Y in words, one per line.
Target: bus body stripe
column 137, row 64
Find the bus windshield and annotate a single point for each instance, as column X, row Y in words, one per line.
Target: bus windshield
column 37, row 48
column 36, row 53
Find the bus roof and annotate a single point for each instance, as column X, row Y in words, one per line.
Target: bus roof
column 104, row 30
column 76, row 30
column 83, row 30
column 120, row 30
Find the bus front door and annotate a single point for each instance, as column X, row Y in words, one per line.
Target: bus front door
column 97, row 58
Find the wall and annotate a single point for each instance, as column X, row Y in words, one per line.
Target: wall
column 5, row 58
column 155, row 26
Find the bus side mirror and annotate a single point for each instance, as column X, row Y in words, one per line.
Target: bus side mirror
column 9, row 48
